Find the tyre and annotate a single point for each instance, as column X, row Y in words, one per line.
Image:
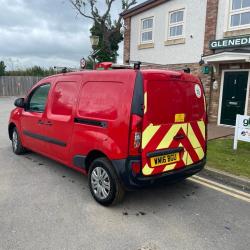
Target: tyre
column 104, row 184
column 17, row 147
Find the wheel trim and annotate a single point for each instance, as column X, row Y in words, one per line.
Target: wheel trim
column 14, row 140
column 100, row 182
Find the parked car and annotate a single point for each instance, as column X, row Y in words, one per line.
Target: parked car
column 124, row 128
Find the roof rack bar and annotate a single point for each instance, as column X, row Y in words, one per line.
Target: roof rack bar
column 64, row 70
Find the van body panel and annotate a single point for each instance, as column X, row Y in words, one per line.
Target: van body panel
column 61, row 113
column 103, row 112
column 30, row 122
column 174, row 118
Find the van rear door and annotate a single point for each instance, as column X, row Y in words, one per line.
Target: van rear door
column 174, row 133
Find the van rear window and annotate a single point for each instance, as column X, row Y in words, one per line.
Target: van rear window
column 165, row 99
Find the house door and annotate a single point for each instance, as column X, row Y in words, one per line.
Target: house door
column 233, row 96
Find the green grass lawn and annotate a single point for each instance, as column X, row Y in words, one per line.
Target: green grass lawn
column 221, row 156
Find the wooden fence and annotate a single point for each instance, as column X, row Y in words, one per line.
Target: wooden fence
column 16, row 85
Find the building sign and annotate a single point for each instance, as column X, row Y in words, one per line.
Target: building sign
column 206, row 69
column 242, row 129
column 230, row 42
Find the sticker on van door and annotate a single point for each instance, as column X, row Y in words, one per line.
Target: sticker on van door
column 197, row 90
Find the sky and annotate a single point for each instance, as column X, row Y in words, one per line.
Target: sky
column 46, row 33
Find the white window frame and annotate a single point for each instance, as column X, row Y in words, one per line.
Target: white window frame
column 176, row 24
column 146, row 30
column 235, row 12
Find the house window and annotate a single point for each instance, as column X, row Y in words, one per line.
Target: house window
column 147, row 30
column 239, row 14
column 176, row 24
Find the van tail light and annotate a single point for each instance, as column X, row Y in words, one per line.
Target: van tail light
column 135, row 135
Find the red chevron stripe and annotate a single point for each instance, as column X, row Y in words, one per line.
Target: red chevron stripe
column 198, row 134
column 181, row 163
column 156, row 139
column 190, row 150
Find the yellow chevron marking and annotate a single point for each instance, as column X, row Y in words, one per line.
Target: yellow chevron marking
column 192, row 137
column 169, row 167
column 202, row 127
column 168, row 138
column 189, row 160
column 148, row 134
column 145, row 102
column 147, row 170
column 200, row 153
column 184, row 158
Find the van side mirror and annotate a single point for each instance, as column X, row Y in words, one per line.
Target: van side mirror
column 20, row 103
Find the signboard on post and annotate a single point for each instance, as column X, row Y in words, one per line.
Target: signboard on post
column 242, row 129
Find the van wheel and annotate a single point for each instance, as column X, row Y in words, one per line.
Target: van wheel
column 17, row 147
column 104, row 184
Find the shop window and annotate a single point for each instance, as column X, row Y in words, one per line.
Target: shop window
column 176, row 24
column 147, row 30
column 239, row 14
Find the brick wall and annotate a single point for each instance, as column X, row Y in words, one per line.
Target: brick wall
column 211, row 24
column 127, row 35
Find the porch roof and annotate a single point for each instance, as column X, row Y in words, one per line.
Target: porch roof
column 228, row 56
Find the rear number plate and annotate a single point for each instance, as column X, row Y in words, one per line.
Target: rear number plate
column 164, row 159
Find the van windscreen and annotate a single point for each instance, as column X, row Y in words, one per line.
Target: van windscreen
column 165, row 99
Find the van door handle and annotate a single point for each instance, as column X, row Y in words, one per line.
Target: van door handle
column 179, row 137
column 48, row 123
column 40, row 122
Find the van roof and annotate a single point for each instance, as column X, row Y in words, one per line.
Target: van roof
column 147, row 73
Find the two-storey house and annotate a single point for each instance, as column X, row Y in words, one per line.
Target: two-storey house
column 211, row 37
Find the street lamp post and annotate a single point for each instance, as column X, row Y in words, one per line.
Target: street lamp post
column 94, row 40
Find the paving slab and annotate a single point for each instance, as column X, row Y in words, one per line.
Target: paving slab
column 215, row 131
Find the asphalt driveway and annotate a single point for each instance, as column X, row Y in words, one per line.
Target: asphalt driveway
column 45, row 205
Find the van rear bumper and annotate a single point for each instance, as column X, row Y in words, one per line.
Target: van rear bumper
column 132, row 181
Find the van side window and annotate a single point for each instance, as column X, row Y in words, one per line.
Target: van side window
column 37, row 99
column 64, row 98
column 101, row 99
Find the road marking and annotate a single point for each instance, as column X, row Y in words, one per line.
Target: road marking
column 221, row 188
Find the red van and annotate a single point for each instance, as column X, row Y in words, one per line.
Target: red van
column 124, row 128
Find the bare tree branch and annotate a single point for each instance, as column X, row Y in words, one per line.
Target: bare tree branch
column 94, row 10
column 126, row 4
column 109, row 4
column 77, row 6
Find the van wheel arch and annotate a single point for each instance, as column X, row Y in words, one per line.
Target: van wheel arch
column 92, row 155
column 10, row 129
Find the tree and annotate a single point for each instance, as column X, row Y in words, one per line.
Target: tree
column 108, row 31
column 2, row 68
column 33, row 71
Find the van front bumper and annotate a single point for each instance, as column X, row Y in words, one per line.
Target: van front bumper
column 133, row 181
